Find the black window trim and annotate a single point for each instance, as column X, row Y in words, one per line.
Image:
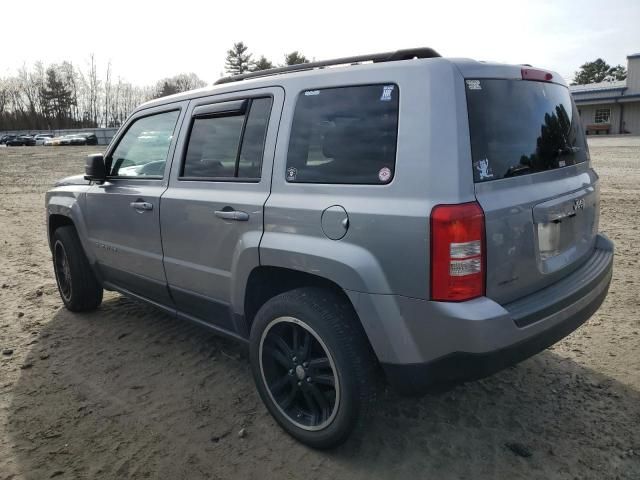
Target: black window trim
column 211, row 111
column 395, row 160
column 129, row 125
column 229, row 108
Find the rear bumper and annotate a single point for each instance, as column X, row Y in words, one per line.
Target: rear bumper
column 420, row 343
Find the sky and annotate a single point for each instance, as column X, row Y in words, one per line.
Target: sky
column 149, row 40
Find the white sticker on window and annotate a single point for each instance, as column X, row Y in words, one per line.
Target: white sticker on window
column 384, row 174
column 484, row 170
column 386, row 93
column 310, row 93
column 292, row 173
column 474, row 85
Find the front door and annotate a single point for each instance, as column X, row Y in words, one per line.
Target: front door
column 123, row 214
column 212, row 212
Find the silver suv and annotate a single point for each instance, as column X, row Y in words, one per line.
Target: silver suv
column 436, row 217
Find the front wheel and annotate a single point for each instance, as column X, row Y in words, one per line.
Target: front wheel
column 312, row 365
column 77, row 284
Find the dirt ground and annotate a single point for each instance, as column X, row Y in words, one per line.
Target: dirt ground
column 128, row 392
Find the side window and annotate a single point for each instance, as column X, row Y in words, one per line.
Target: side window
column 142, row 151
column 213, row 147
column 228, row 145
column 344, row 135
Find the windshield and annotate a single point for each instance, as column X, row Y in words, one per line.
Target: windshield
column 520, row 127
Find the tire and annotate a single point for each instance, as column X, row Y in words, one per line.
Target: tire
column 77, row 284
column 294, row 379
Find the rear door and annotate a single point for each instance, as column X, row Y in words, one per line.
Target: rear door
column 534, row 182
column 123, row 213
column 212, row 212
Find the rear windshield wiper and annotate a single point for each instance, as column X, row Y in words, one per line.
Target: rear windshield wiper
column 517, row 170
column 567, row 150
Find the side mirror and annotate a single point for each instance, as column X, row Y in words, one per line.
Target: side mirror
column 94, row 168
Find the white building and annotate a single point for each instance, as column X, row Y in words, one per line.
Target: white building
column 611, row 107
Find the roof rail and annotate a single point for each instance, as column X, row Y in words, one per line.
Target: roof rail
column 407, row 54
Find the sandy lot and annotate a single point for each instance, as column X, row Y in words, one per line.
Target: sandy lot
column 127, row 392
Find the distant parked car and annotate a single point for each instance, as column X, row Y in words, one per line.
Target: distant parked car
column 5, row 138
column 90, row 138
column 21, row 141
column 41, row 137
column 72, row 139
column 66, row 139
column 79, row 139
column 55, row 141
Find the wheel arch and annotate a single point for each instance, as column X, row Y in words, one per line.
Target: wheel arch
column 265, row 282
column 64, row 208
column 56, row 221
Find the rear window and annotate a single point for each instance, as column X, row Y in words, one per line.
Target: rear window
column 520, row 127
column 344, row 135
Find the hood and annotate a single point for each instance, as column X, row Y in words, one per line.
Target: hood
column 72, row 180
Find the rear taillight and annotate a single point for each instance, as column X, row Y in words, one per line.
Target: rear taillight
column 457, row 252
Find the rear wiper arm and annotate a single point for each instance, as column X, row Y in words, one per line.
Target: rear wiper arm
column 517, row 170
column 568, row 150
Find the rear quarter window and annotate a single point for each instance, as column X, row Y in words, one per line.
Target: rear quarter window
column 344, row 135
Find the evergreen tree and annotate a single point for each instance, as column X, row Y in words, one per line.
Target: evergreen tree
column 598, row 71
column 295, row 58
column 238, row 60
column 261, row 64
column 57, row 97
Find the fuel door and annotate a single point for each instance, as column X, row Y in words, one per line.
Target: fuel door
column 335, row 222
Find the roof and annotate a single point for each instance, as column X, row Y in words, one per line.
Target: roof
column 359, row 71
column 634, row 55
column 598, row 87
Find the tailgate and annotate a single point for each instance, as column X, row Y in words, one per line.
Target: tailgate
column 533, row 181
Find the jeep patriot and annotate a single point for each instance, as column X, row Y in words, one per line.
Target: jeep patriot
column 434, row 217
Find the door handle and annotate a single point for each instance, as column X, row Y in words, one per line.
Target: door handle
column 236, row 215
column 141, row 205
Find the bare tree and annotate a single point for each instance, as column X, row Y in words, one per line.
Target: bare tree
column 107, row 95
column 65, row 96
column 70, row 77
column 37, row 78
column 114, row 106
column 16, row 99
column 4, row 98
column 179, row 83
column 94, row 85
column 31, row 92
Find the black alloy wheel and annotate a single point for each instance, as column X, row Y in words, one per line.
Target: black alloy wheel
column 299, row 373
column 62, row 270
